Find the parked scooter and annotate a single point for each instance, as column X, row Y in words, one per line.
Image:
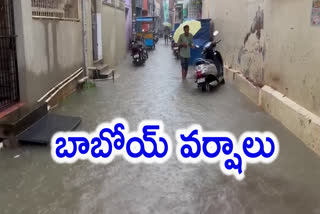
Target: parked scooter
column 172, row 43
column 176, row 50
column 209, row 69
column 138, row 53
column 156, row 39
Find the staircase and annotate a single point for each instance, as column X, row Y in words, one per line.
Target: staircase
column 102, row 72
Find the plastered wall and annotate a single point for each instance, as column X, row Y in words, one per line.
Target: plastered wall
column 273, row 43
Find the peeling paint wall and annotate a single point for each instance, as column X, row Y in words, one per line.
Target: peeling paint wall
column 273, row 43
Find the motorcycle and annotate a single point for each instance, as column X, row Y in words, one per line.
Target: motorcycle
column 209, row 71
column 138, row 53
column 172, row 43
column 156, row 39
column 176, row 50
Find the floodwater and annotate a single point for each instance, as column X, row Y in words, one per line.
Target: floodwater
column 33, row 183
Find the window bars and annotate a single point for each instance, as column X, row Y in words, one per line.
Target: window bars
column 56, row 9
column 9, row 83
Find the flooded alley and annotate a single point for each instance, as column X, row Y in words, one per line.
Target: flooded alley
column 32, row 183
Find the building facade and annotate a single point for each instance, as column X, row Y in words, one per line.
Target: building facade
column 128, row 15
column 171, row 11
column 151, row 6
column 165, row 6
column 139, row 7
column 158, row 8
column 145, row 9
column 195, row 9
column 46, row 43
column 178, row 11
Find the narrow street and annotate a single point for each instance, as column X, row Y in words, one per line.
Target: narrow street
column 33, row 183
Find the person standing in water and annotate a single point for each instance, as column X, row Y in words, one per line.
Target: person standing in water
column 166, row 35
column 185, row 44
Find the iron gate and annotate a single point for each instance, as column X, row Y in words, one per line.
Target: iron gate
column 9, row 85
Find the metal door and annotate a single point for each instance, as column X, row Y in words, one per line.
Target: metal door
column 9, row 83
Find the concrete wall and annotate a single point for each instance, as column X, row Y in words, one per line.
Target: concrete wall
column 113, row 34
column 48, row 51
column 272, row 43
column 158, row 8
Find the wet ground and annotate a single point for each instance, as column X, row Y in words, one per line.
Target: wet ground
column 33, row 183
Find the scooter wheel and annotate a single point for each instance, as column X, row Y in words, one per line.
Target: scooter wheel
column 206, row 87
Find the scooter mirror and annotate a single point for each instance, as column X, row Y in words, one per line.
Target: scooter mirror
column 216, row 33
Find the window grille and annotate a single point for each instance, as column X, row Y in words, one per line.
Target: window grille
column 9, row 83
column 56, row 9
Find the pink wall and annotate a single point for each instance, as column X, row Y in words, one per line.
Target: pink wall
column 145, row 5
column 128, row 22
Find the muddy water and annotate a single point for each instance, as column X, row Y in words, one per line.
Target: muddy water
column 33, row 183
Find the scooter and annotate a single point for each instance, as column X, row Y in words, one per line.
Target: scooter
column 156, row 39
column 138, row 53
column 176, row 50
column 173, row 43
column 209, row 71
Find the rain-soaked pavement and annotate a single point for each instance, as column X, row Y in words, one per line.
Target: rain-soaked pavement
column 33, row 183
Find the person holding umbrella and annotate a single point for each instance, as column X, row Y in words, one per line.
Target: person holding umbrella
column 185, row 43
column 183, row 36
column 167, row 27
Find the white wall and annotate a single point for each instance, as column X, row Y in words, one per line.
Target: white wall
column 48, row 51
column 113, row 35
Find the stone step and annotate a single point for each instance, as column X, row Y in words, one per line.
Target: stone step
column 21, row 119
column 106, row 74
column 99, row 67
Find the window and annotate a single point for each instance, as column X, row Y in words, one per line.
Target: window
column 120, row 4
column 58, row 9
column 110, row 2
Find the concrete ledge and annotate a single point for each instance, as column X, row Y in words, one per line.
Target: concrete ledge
column 302, row 123
column 243, row 85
